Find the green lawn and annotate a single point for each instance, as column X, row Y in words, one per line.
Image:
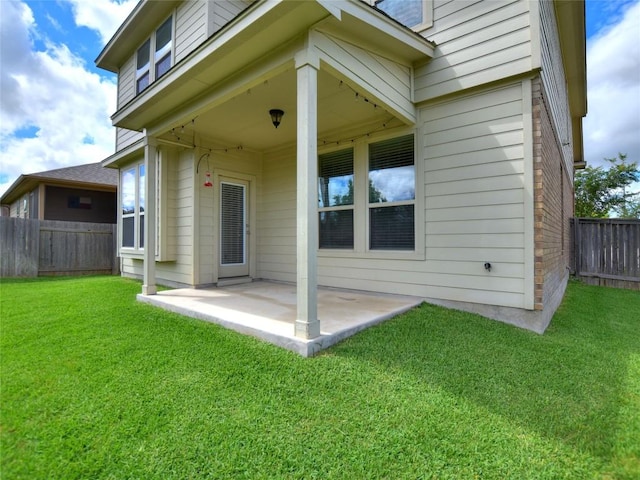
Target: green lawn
column 95, row 385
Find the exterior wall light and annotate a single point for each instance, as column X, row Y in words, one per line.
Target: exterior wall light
column 276, row 116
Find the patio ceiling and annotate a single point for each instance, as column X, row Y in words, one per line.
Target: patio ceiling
column 244, row 120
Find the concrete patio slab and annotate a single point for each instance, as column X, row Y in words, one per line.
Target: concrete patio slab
column 267, row 310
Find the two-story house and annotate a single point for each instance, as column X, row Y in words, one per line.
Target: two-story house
column 421, row 147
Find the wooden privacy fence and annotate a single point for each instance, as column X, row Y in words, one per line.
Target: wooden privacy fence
column 607, row 251
column 30, row 248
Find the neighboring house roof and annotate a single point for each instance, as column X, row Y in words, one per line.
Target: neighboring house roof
column 89, row 176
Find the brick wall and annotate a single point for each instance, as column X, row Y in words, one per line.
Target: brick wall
column 553, row 204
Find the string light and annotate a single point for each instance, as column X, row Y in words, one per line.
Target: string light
column 358, row 96
column 358, row 137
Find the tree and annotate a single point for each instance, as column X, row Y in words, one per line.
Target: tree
column 375, row 195
column 600, row 191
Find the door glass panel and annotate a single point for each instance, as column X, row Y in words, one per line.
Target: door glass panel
column 232, row 238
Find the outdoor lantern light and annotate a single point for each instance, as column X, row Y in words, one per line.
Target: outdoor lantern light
column 276, row 116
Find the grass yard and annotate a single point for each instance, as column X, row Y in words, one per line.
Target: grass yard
column 95, row 385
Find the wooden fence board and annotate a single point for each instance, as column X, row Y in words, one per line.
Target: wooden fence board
column 29, row 248
column 607, row 251
column 18, row 247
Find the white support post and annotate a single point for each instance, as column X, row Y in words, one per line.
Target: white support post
column 150, row 216
column 307, row 324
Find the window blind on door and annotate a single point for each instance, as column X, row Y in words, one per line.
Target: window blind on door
column 232, row 226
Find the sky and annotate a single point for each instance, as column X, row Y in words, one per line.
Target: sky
column 55, row 105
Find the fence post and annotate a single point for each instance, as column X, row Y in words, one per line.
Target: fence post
column 576, row 246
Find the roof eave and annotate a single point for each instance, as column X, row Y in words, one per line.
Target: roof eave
column 26, row 183
column 17, row 188
column 125, row 155
column 413, row 45
column 570, row 16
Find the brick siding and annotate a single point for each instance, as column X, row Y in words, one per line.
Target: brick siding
column 553, row 203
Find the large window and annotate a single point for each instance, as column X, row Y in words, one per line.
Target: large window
column 392, row 194
column 335, row 199
column 128, row 201
column 161, row 43
column 132, row 201
column 376, row 181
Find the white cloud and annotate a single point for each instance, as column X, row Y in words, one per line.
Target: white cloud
column 612, row 124
column 394, row 184
column 104, row 17
column 51, row 94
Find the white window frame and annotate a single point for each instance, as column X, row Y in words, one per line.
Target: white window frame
column 391, row 204
column 164, row 225
column 146, row 70
column 153, row 61
column 136, row 214
column 427, row 15
column 334, row 208
column 361, row 201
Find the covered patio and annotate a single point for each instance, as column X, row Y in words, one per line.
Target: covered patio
column 267, row 310
column 337, row 74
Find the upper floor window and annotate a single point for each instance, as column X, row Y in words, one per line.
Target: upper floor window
column 162, row 57
column 416, row 14
column 143, row 75
column 162, row 45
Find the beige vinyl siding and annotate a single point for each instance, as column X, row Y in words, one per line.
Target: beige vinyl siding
column 126, row 82
column 475, row 193
column 416, row 278
column 180, row 271
column 222, row 12
column 369, row 70
column 554, row 81
column 277, row 218
column 476, row 42
column 16, row 209
column 191, row 27
column 166, row 204
column 126, row 137
column 131, row 267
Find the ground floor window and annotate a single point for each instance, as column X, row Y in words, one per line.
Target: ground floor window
column 387, row 168
column 132, row 206
column 335, row 199
column 392, row 194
